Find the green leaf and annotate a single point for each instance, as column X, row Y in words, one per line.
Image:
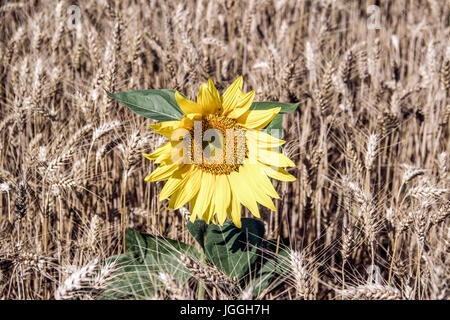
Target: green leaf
column 263, row 277
column 275, row 128
column 145, row 244
column 231, row 249
column 275, row 124
column 131, row 279
column 274, row 266
column 134, row 242
column 281, row 253
column 137, row 271
column 158, row 105
column 198, row 231
column 264, row 105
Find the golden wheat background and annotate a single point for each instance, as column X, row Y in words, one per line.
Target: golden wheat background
column 370, row 137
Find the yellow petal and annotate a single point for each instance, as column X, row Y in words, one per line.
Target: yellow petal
column 208, row 215
column 278, row 173
column 187, row 190
column 234, row 210
column 238, row 183
column 214, row 93
column 164, row 153
column 187, row 122
column 165, row 128
column 163, row 172
column 222, row 197
column 169, row 188
column 208, row 98
column 257, row 190
column 204, row 196
column 231, row 96
column 258, row 119
column 244, row 104
column 187, row 105
column 174, row 156
column 261, row 180
column 193, row 116
column 193, row 216
column 161, row 151
column 265, row 201
column 269, row 156
column 173, row 183
column 262, row 140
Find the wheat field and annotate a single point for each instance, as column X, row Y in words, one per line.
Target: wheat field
column 366, row 217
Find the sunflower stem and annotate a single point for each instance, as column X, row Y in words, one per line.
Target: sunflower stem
column 201, row 285
column 123, row 216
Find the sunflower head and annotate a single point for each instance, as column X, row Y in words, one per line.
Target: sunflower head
column 217, row 158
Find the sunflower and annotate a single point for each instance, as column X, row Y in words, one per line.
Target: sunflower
column 217, row 158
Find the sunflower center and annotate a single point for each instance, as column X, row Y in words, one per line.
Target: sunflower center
column 220, row 149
